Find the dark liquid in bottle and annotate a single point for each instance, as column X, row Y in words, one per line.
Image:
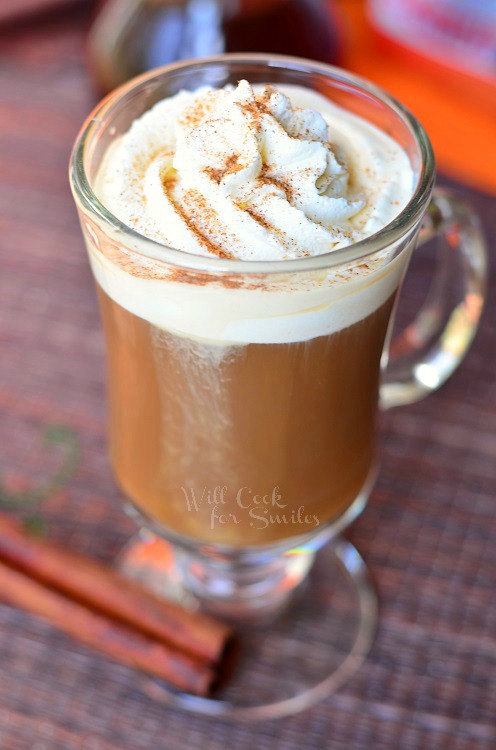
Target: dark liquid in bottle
column 304, row 28
column 163, row 32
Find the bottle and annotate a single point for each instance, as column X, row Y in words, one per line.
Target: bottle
column 129, row 37
column 459, row 35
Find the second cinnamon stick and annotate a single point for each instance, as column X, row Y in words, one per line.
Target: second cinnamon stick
column 92, row 583
column 94, row 629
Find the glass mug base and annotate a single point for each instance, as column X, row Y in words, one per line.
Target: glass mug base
column 304, row 617
column 317, row 639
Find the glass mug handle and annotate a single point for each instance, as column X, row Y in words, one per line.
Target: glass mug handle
column 429, row 350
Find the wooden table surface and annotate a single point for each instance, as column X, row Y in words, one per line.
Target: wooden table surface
column 428, row 534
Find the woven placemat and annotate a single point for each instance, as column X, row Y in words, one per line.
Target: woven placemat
column 428, row 534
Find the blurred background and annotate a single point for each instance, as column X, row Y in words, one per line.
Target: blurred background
column 436, row 56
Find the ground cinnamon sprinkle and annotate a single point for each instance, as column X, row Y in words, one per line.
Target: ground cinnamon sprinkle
column 215, row 174
column 144, row 268
column 231, row 166
column 265, row 179
column 169, row 180
column 197, row 278
column 141, row 163
column 200, row 214
column 260, row 219
column 252, row 108
column 196, row 113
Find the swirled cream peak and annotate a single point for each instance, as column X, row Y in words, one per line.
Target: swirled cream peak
column 244, row 173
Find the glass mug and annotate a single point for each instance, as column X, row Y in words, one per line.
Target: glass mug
column 249, row 453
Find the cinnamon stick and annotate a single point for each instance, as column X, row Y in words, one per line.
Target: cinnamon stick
column 90, row 582
column 100, row 632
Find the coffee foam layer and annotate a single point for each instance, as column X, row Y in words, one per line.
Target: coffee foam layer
column 286, row 311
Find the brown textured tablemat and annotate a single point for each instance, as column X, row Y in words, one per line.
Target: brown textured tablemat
column 428, row 534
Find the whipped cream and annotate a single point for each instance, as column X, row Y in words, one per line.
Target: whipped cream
column 260, row 174
column 244, row 174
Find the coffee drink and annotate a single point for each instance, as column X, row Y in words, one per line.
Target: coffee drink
column 219, row 445
column 243, row 407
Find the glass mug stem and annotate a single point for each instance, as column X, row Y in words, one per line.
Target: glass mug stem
column 239, row 585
